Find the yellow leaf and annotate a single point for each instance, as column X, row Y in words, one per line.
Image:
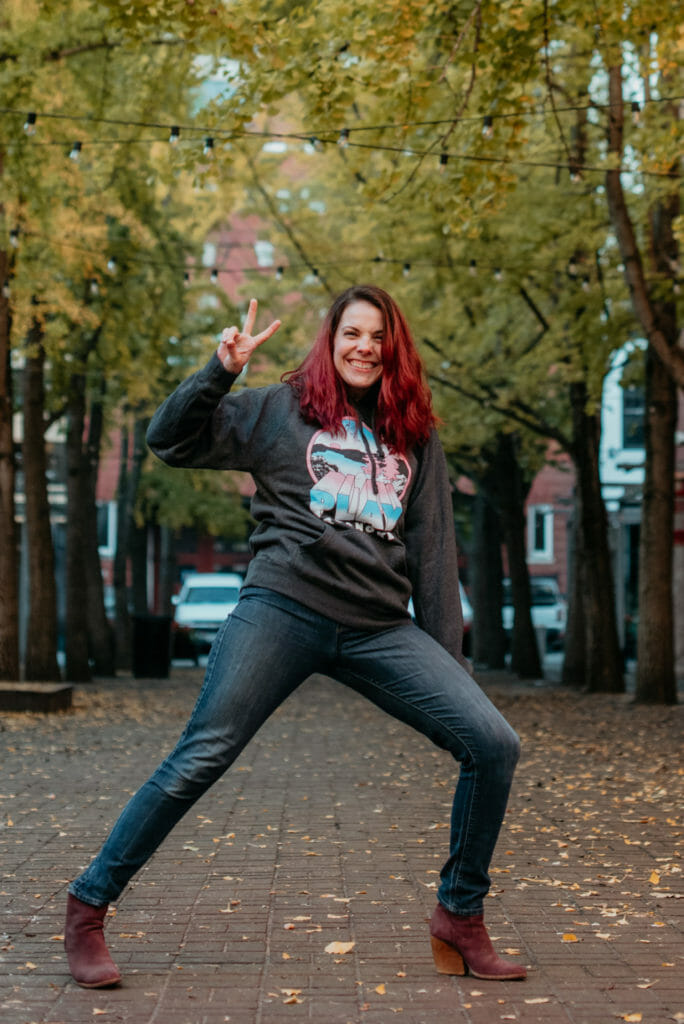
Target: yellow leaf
column 291, row 991
column 654, row 878
column 291, row 1000
column 31, row 966
column 380, row 989
column 540, row 999
column 286, row 956
column 339, row 947
column 633, row 1018
column 570, row 937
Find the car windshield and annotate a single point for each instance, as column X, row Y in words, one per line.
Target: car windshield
column 212, row 595
column 543, row 593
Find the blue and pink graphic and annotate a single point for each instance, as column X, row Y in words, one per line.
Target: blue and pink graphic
column 356, row 480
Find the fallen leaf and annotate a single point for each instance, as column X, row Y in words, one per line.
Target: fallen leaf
column 539, row 999
column 633, row 1018
column 291, row 991
column 654, row 878
column 286, row 956
column 291, row 1000
column 339, row 947
column 570, row 937
column 380, row 989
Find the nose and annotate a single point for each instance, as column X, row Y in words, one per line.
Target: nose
column 363, row 343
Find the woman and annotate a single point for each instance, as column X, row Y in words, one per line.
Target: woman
column 354, row 516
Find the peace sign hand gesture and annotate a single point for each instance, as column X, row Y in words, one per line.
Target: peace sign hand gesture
column 236, row 347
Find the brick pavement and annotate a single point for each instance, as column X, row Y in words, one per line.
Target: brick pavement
column 332, row 827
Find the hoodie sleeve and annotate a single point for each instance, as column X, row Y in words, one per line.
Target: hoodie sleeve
column 431, row 552
column 201, row 426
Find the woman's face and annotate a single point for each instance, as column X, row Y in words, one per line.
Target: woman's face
column 357, row 346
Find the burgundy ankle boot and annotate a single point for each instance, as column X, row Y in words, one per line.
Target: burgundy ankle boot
column 461, row 944
column 90, row 964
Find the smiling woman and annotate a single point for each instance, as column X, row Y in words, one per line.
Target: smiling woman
column 354, row 517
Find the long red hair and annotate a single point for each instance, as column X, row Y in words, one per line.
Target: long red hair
column 404, row 415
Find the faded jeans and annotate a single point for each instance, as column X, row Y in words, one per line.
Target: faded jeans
column 265, row 649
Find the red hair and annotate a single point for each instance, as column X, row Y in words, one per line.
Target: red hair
column 404, row 414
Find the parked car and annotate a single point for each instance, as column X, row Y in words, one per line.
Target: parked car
column 203, row 603
column 549, row 609
column 467, row 610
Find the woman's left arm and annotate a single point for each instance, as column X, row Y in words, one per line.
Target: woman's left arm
column 431, row 552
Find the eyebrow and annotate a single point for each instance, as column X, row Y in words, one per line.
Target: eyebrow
column 353, row 327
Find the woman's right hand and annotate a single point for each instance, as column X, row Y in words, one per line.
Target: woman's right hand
column 236, row 347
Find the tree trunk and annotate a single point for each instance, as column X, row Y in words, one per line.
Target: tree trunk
column 138, row 533
column 655, row 636
column 123, row 625
column 76, row 645
column 100, row 633
column 574, row 672
column 489, row 638
column 9, row 562
column 509, row 489
column 168, row 567
column 604, row 658
column 656, row 680
column 40, row 660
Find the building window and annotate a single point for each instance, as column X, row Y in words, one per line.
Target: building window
column 540, row 533
column 633, row 417
column 106, row 528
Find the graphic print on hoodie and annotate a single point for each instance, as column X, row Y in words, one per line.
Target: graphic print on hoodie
column 357, row 482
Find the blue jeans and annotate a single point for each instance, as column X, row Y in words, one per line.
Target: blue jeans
column 265, row 649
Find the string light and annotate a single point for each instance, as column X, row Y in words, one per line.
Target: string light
column 175, row 135
column 75, row 152
column 472, row 268
column 343, row 140
column 112, row 265
column 406, row 269
column 586, row 284
column 572, row 267
column 487, row 126
column 94, row 287
column 498, row 274
column 186, row 279
column 636, row 112
column 208, row 146
column 443, row 161
column 30, row 123
column 214, row 276
column 6, row 289
column 14, row 237
column 279, row 274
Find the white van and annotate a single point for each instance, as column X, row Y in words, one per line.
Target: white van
column 204, row 602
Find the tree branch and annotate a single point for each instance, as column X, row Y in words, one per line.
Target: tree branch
column 671, row 356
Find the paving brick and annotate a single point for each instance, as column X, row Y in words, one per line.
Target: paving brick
column 334, row 821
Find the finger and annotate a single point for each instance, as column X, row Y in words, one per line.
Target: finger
column 265, row 335
column 251, row 317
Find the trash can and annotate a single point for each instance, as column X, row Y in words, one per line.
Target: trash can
column 151, row 646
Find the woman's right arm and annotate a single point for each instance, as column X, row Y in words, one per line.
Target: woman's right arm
column 197, row 426
column 188, row 429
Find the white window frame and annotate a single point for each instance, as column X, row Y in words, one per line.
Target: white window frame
column 544, row 554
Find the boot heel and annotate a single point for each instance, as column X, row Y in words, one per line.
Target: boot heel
column 447, row 959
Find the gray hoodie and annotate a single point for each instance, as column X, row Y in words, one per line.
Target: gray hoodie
column 343, row 525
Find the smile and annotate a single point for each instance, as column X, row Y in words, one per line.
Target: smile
column 362, row 366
